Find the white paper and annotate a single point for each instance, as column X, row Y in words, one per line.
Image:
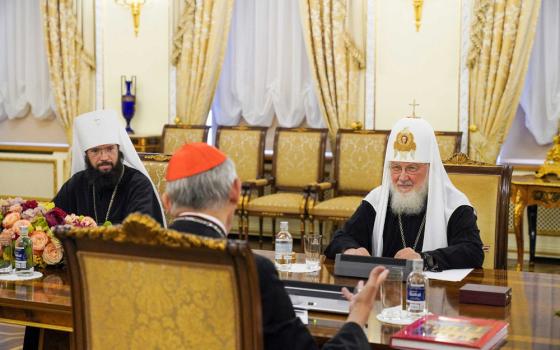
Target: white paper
column 454, row 275
column 303, row 268
column 302, row 314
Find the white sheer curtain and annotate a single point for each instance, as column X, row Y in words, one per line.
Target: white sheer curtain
column 266, row 71
column 24, row 73
column 541, row 94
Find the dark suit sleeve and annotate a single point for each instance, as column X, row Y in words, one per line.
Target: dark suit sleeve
column 142, row 198
column 356, row 232
column 350, row 336
column 464, row 247
column 65, row 199
column 281, row 328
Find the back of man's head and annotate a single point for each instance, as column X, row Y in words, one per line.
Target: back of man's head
column 199, row 177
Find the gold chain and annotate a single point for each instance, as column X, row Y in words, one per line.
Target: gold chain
column 417, row 235
column 110, row 202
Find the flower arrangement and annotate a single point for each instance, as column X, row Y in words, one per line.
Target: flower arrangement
column 40, row 218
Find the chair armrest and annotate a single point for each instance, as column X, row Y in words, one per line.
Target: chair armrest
column 251, row 184
column 320, row 186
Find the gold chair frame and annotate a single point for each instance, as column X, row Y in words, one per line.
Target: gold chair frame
column 246, row 183
column 316, row 191
column 460, row 164
column 167, row 127
column 140, row 237
column 250, row 188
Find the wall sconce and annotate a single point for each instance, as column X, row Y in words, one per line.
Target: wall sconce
column 417, row 4
column 135, row 8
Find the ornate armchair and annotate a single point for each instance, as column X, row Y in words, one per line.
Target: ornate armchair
column 139, row 286
column 174, row 136
column 487, row 187
column 156, row 165
column 449, row 143
column 297, row 163
column 358, row 168
column 244, row 145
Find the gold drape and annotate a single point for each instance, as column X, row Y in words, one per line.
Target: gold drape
column 199, row 46
column 336, row 58
column 70, row 67
column 502, row 34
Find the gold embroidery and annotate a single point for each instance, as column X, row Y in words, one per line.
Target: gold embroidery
column 404, row 143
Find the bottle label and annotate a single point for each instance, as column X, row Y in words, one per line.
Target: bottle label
column 21, row 258
column 416, row 297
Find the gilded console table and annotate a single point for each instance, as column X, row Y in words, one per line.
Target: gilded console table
column 530, row 191
column 146, row 143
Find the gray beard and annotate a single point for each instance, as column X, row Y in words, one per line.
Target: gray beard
column 411, row 203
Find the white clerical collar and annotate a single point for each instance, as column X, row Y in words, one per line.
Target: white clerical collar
column 206, row 217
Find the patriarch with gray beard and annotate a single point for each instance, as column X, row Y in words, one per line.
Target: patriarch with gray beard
column 416, row 212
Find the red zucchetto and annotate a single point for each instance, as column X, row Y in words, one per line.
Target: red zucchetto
column 192, row 159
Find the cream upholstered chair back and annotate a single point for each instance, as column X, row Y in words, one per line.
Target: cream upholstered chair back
column 138, row 286
column 244, row 145
column 359, row 160
column 156, row 165
column 298, row 157
column 175, row 136
column 487, row 188
column 449, row 143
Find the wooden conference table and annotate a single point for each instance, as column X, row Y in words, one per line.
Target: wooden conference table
column 46, row 303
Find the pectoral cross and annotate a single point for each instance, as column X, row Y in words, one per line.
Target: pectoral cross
column 413, row 104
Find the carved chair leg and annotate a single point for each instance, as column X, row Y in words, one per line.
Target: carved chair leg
column 260, row 232
column 273, row 234
column 302, row 232
column 240, row 225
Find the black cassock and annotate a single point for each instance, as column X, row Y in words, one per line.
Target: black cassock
column 281, row 328
column 134, row 194
column 464, row 248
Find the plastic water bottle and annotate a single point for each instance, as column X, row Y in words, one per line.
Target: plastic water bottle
column 283, row 248
column 416, row 287
column 23, row 253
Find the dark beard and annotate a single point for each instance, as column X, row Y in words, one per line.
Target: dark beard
column 104, row 180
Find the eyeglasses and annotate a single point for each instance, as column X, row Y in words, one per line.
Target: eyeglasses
column 409, row 169
column 97, row 151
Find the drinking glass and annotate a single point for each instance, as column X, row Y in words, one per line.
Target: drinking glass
column 391, row 295
column 312, row 245
column 6, row 255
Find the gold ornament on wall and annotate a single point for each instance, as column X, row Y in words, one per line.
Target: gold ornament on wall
column 417, row 4
column 135, row 9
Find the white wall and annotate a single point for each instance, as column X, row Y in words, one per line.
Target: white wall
column 420, row 65
column 145, row 56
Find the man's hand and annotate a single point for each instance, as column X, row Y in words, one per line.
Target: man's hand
column 357, row 251
column 408, row 254
column 362, row 302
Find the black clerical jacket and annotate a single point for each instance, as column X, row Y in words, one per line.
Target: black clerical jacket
column 134, row 194
column 281, row 328
column 464, row 248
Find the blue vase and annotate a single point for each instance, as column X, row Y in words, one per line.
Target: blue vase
column 128, row 103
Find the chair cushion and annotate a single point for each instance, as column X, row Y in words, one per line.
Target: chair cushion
column 288, row 203
column 343, row 206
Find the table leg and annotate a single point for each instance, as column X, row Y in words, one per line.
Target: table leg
column 532, row 226
column 518, row 209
